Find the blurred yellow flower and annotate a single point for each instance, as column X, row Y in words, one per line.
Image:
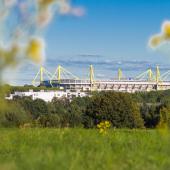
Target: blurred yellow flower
column 103, row 126
column 155, row 40
column 166, row 29
column 45, row 3
column 35, row 50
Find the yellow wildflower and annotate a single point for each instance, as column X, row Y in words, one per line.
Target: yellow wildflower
column 103, row 126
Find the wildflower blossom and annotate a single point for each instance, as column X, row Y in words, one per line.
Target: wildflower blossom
column 103, row 126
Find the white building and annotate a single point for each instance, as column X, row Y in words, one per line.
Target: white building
column 48, row 95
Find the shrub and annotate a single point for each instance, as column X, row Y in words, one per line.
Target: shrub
column 50, row 120
column 150, row 114
column 34, row 107
column 118, row 108
column 164, row 120
column 14, row 116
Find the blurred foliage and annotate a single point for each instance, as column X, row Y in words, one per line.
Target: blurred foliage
column 80, row 149
column 13, row 116
column 23, row 26
column 118, row 108
column 123, row 110
column 12, row 89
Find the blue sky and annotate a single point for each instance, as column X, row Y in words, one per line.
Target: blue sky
column 116, row 29
column 112, row 34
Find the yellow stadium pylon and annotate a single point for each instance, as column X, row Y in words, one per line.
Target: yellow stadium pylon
column 92, row 79
column 41, row 73
column 62, row 73
column 147, row 75
column 91, row 74
column 150, row 75
column 59, row 73
column 120, row 74
column 158, row 75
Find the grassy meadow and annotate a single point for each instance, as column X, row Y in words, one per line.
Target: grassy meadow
column 77, row 149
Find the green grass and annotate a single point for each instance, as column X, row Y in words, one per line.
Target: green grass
column 76, row 149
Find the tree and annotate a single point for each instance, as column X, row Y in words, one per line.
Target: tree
column 164, row 120
column 14, row 116
column 34, row 107
column 118, row 108
column 75, row 115
column 49, row 120
column 150, row 114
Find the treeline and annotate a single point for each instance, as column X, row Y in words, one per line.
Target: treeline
column 154, row 107
column 11, row 89
column 123, row 110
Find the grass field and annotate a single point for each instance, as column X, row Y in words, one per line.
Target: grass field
column 77, row 149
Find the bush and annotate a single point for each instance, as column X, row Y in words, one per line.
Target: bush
column 164, row 118
column 14, row 116
column 75, row 115
column 50, row 120
column 34, row 107
column 150, row 114
column 70, row 114
column 118, row 108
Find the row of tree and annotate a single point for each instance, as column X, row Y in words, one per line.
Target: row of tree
column 123, row 110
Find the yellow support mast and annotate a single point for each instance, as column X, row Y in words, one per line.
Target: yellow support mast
column 91, row 74
column 41, row 74
column 147, row 75
column 59, row 73
column 119, row 74
column 150, row 74
column 39, row 78
column 157, row 74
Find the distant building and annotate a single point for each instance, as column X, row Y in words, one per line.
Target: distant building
column 48, row 95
